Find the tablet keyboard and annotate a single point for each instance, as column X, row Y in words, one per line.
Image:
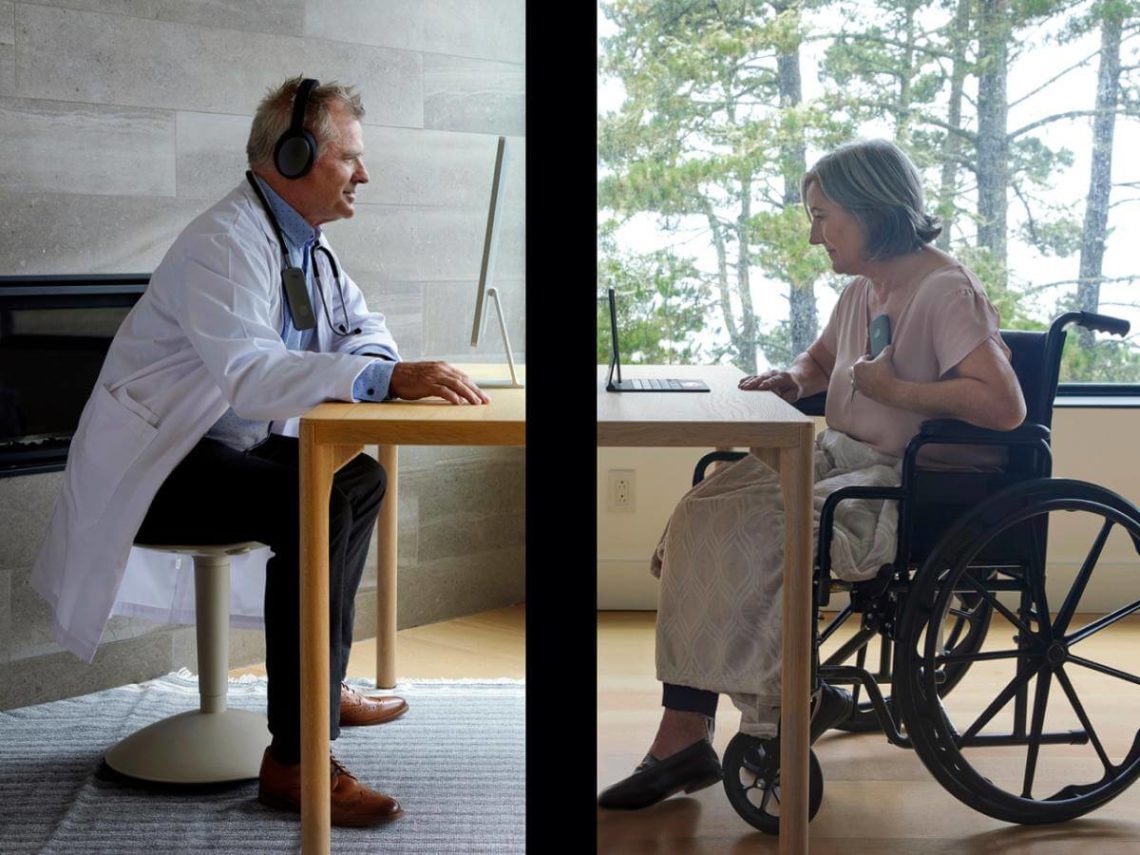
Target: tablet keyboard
column 654, row 383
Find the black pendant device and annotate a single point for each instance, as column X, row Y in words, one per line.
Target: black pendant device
column 297, row 296
column 292, row 278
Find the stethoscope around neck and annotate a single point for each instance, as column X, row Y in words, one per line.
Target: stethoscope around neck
column 293, row 278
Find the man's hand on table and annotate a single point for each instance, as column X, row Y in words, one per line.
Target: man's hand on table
column 413, row 380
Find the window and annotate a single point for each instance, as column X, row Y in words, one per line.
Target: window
column 1022, row 118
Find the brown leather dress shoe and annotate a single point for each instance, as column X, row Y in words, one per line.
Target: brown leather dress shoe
column 353, row 804
column 356, row 709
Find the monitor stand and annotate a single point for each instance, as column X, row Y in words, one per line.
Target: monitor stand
column 502, row 383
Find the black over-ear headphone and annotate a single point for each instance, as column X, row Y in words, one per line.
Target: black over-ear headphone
column 296, row 149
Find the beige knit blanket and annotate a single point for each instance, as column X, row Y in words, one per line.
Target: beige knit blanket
column 721, row 559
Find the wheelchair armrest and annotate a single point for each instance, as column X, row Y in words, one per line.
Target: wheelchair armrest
column 827, row 514
column 955, row 432
column 812, row 405
column 967, row 433
column 713, row 457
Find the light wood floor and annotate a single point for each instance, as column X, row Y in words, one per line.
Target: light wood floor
column 487, row 645
column 877, row 798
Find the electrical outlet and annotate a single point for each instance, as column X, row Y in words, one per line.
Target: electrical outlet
column 621, row 490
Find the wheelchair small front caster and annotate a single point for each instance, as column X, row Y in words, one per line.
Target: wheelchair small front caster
column 752, row 781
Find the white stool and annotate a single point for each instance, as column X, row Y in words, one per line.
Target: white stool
column 211, row 744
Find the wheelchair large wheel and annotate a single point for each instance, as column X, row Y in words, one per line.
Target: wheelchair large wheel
column 964, row 629
column 752, row 781
column 1035, row 732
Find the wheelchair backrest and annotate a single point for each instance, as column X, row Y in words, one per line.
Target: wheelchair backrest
column 1037, row 362
column 937, row 497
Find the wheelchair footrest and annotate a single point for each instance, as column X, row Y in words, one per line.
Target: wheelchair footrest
column 860, row 676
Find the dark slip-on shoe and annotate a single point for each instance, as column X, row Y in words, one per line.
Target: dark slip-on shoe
column 830, row 707
column 691, row 769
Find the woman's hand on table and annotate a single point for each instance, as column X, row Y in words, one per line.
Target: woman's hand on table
column 780, row 382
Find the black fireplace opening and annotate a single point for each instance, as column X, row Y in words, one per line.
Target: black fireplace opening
column 54, row 336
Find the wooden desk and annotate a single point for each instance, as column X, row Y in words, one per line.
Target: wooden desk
column 781, row 436
column 331, row 435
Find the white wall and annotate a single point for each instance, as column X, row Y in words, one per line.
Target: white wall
column 1097, row 445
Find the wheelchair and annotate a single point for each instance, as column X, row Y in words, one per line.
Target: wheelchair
column 971, row 557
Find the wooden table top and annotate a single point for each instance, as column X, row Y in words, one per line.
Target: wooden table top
column 724, row 417
column 429, row 421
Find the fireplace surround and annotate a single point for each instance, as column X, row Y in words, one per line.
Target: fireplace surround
column 54, row 335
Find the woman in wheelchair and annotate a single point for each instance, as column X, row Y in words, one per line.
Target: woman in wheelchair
column 720, row 559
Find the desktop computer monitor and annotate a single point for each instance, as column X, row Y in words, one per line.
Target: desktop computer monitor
column 487, row 292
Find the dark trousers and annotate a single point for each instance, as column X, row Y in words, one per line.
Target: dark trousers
column 218, row 495
column 688, row 699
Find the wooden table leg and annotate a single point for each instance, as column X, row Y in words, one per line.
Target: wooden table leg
column 317, row 470
column 318, row 464
column 386, row 531
column 771, row 456
column 796, row 479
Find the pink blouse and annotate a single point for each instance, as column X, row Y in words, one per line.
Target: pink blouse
column 945, row 318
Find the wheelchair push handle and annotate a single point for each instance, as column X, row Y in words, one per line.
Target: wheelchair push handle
column 1095, row 322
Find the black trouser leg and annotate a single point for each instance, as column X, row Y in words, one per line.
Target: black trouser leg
column 218, row 495
column 688, row 699
column 358, row 490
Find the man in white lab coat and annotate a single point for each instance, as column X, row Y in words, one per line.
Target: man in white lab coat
column 189, row 435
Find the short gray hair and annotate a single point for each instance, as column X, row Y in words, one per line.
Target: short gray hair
column 880, row 186
column 275, row 112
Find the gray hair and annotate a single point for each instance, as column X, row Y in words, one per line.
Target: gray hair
column 275, row 112
column 880, row 186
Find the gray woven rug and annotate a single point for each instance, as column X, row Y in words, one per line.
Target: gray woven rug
column 455, row 761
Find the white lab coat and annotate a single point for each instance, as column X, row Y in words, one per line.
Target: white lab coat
column 206, row 335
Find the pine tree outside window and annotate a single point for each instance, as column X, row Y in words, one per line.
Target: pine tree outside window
column 1023, row 116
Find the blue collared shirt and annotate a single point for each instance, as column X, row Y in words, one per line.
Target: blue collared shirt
column 300, row 238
